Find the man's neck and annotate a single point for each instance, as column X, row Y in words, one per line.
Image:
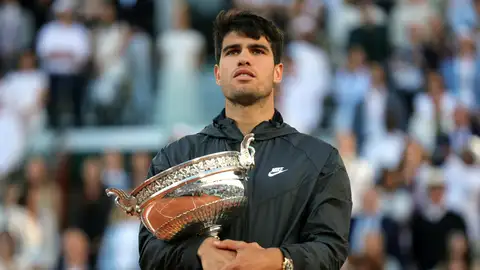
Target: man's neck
column 247, row 118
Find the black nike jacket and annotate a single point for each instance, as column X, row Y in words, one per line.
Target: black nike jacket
column 305, row 210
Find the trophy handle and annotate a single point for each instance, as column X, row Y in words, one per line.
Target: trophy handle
column 126, row 202
column 247, row 152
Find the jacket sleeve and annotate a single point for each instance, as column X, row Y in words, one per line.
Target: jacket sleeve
column 158, row 254
column 325, row 233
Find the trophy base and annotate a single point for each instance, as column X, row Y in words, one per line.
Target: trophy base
column 212, row 231
column 206, row 220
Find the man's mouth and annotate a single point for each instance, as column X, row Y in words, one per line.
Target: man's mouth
column 244, row 73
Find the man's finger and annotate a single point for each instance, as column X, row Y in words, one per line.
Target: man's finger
column 232, row 266
column 230, row 244
column 255, row 244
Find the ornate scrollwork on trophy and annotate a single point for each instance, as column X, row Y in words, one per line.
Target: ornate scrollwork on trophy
column 196, row 197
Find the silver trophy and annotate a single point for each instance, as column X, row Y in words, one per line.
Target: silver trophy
column 194, row 198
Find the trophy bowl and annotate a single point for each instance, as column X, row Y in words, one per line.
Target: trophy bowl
column 194, row 198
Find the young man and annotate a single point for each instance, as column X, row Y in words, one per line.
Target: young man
column 299, row 192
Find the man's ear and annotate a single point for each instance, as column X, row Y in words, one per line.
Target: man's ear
column 278, row 73
column 216, row 72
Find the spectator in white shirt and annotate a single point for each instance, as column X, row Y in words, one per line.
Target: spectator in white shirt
column 304, row 90
column 360, row 171
column 63, row 47
column 177, row 66
column 22, row 95
column 24, row 92
column 111, row 39
column 432, row 113
column 16, row 33
column 408, row 13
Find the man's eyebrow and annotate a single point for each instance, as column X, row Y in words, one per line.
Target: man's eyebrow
column 258, row 46
column 250, row 46
column 232, row 46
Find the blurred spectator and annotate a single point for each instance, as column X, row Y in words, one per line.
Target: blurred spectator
column 359, row 170
column 432, row 224
column 439, row 46
column 140, row 163
column 109, row 90
column 372, row 37
column 351, row 84
column 16, row 33
column 63, row 47
column 463, row 190
column 178, row 66
column 386, row 151
column 407, row 13
column 407, row 67
column 462, row 72
column 75, row 251
column 48, row 194
column 308, row 81
column 46, row 221
column 463, row 14
column 24, row 91
column 462, row 132
column 23, row 228
column 7, row 253
column 370, row 114
column 93, row 10
column 114, row 174
column 372, row 221
column 395, row 200
column 375, row 249
column 119, row 248
column 433, row 113
column 414, row 162
column 13, row 143
column 141, row 66
column 458, row 256
column 89, row 207
column 345, row 16
column 22, row 98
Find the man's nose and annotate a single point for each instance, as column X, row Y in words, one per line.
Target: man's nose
column 243, row 62
column 244, row 59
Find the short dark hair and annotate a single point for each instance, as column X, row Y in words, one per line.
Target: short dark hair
column 250, row 25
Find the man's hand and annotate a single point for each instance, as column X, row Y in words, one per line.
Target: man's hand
column 251, row 256
column 212, row 257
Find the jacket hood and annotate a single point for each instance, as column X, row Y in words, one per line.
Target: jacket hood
column 223, row 127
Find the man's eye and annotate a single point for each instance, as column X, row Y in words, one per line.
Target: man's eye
column 232, row 52
column 258, row 52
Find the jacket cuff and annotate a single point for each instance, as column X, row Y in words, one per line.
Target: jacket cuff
column 298, row 260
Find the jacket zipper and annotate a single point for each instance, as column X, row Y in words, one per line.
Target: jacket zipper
column 249, row 187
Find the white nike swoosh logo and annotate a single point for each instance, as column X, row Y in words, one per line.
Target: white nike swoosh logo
column 271, row 174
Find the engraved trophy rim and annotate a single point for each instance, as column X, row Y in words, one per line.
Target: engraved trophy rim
column 133, row 202
column 180, row 166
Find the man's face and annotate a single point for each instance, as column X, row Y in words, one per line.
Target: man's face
column 436, row 194
column 246, row 71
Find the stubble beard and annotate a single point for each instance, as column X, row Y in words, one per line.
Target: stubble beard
column 246, row 97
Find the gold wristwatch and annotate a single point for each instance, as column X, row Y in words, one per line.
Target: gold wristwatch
column 287, row 264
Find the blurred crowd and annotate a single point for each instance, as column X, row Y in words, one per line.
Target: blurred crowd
column 393, row 84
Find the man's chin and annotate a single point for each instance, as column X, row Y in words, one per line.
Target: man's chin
column 245, row 99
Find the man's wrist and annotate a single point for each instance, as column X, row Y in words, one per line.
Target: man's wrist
column 287, row 263
column 276, row 258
